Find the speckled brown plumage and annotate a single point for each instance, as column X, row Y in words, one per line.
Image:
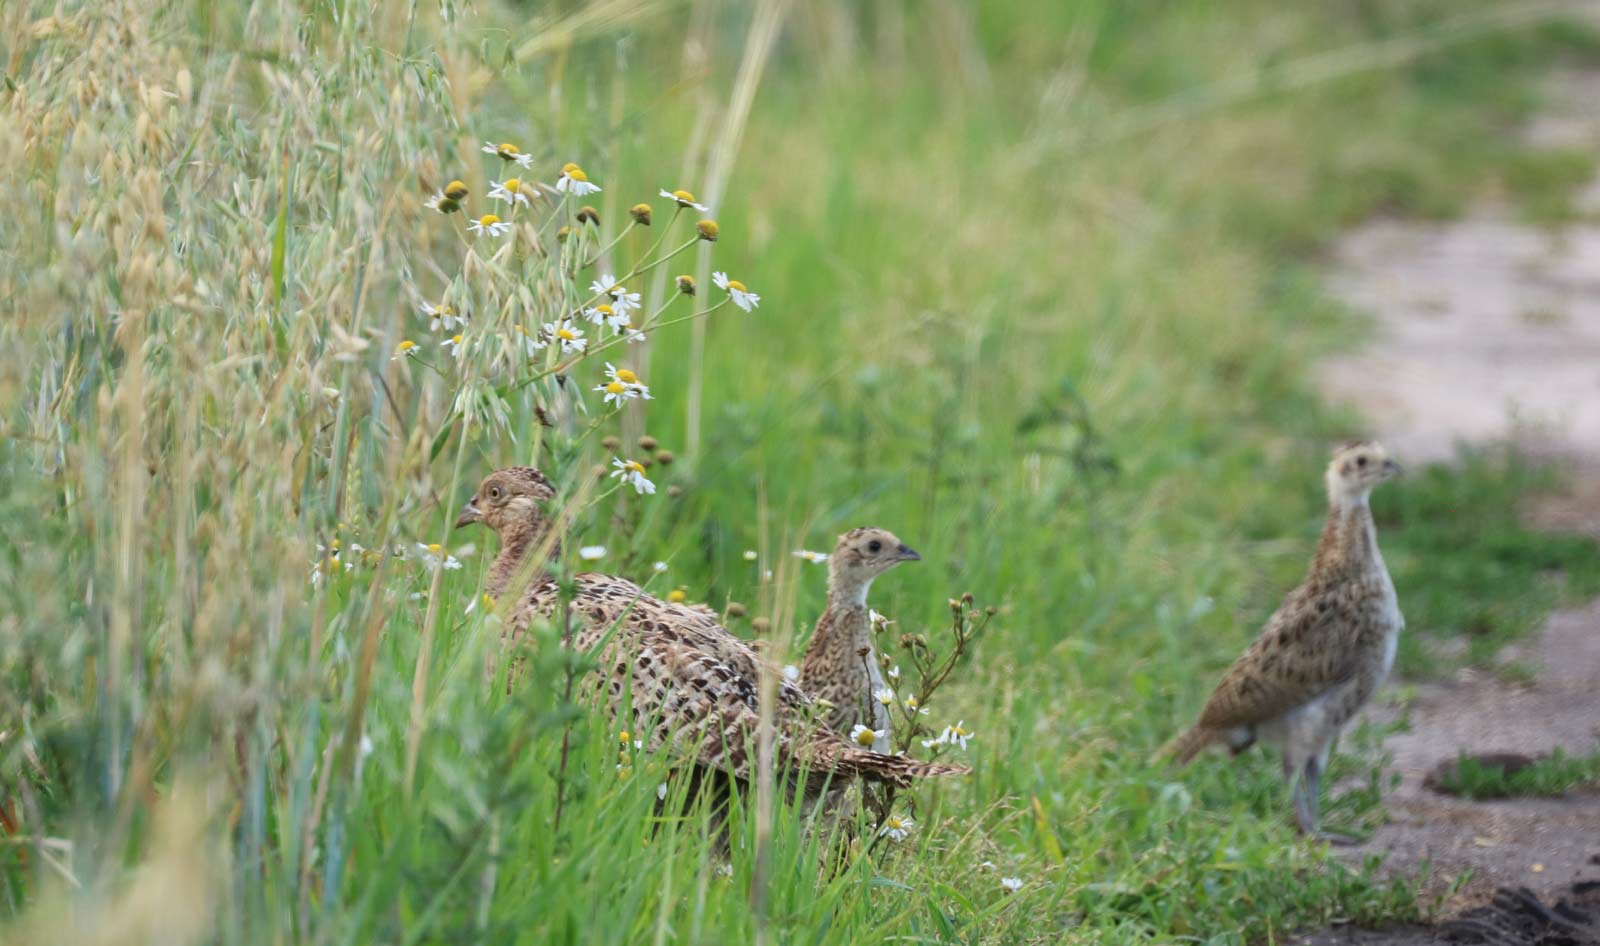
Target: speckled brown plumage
column 840, row 665
column 687, row 682
column 1323, row 652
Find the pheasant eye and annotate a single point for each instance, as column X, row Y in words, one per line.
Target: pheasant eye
column 874, row 546
column 494, row 492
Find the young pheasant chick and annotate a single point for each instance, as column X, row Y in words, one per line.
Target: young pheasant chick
column 840, row 665
column 1324, row 652
column 693, row 685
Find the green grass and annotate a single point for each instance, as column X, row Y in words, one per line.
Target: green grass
column 1555, row 774
column 1030, row 299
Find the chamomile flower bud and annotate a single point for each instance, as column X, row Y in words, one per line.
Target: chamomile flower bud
column 761, row 625
column 562, row 234
column 442, row 203
column 684, row 199
column 587, row 214
column 735, row 609
column 454, row 346
column 640, row 214
column 665, row 457
column 456, row 190
column 611, row 443
column 686, row 285
column 674, row 491
column 708, row 230
column 507, row 151
column 406, row 349
column 647, row 443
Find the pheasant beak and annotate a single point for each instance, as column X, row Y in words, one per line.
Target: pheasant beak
column 908, row 554
column 1391, row 468
column 469, row 515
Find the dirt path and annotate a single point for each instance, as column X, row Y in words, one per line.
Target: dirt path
column 1488, row 330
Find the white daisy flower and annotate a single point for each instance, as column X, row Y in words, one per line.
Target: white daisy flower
column 913, row 705
column 865, row 736
column 590, row 553
column 893, row 673
column 684, row 199
column 1011, row 884
column 434, row 554
column 454, row 347
column 621, row 299
column 815, row 558
column 956, row 735
column 884, row 695
column 742, row 297
column 622, row 384
column 897, row 827
column 571, row 339
column 631, row 472
column 573, row 181
column 600, row 314
column 531, row 342
column 879, row 622
column 490, row 225
column 443, row 315
column 511, row 190
column 507, row 152
column 406, row 349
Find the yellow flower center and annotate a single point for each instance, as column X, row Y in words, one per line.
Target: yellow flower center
column 894, row 824
column 488, row 220
column 635, row 466
column 626, row 376
column 512, row 185
column 622, row 737
column 568, row 168
column 735, row 285
column 455, row 190
column 445, row 310
column 507, row 149
column 865, row 737
column 676, row 596
column 683, row 196
column 435, row 548
column 455, row 339
column 566, row 335
column 615, row 387
column 577, row 174
column 605, row 310
column 407, row 345
column 961, row 731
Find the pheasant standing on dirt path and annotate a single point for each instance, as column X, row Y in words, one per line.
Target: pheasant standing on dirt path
column 840, row 665
column 693, row 685
column 1324, row 651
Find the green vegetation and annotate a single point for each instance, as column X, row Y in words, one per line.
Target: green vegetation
column 1555, row 774
column 1036, row 295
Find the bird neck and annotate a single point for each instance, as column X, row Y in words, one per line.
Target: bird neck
column 518, row 541
column 845, row 591
column 1349, row 541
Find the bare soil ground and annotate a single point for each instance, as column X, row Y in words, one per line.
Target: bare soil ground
column 1488, row 330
